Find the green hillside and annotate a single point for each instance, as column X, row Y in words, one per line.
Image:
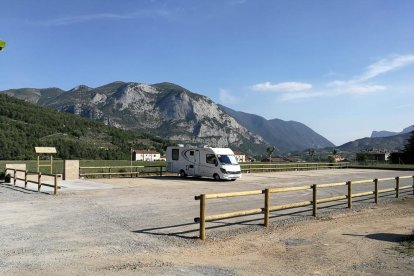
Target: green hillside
column 24, row 126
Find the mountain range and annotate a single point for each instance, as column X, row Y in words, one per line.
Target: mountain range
column 380, row 140
column 389, row 143
column 175, row 113
column 287, row 136
column 385, row 133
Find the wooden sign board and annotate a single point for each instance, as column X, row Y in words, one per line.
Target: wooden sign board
column 47, row 150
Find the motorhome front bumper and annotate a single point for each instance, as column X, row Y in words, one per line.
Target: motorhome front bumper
column 231, row 176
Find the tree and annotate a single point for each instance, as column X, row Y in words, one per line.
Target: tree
column 409, row 147
column 269, row 151
column 362, row 157
column 408, row 152
column 311, row 153
column 2, row 44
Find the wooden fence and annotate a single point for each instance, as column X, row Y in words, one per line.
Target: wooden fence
column 270, row 167
column 314, row 202
column 121, row 171
column 135, row 171
column 38, row 180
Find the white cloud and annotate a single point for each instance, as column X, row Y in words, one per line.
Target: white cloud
column 226, row 97
column 358, row 85
column 300, row 95
column 69, row 20
column 281, row 87
column 384, row 66
column 364, row 89
column 347, row 87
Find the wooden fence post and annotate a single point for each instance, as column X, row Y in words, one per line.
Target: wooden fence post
column 376, row 190
column 39, row 181
column 15, row 177
column 315, row 200
column 110, row 171
column 56, row 184
column 349, row 183
column 266, row 208
column 397, row 187
column 160, row 170
column 25, row 179
column 203, row 217
column 413, row 184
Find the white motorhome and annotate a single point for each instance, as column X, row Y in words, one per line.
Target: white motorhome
column 218, row 163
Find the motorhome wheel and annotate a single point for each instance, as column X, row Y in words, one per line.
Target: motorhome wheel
column 182, row 173
column 216, row 176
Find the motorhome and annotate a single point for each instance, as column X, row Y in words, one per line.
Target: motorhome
column 218, row 163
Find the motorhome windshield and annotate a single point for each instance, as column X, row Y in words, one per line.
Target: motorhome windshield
column 227, row 159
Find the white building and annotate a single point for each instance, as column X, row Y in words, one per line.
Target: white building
column 240, row 157
column 146, row 155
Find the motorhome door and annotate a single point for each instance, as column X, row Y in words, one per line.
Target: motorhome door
column 194, row 158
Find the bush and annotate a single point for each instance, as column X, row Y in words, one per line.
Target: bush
column 331, row 159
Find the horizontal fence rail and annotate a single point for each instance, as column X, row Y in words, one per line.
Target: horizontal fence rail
column 109, row 171
column 202, row 219
column 39, row 181
column 121, row 171
column 269, row 167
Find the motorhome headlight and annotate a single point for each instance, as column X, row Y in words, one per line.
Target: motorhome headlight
column 223, row 170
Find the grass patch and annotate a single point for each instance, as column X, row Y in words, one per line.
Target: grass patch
column 407, row 246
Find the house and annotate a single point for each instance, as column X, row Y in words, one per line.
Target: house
column 145, row 155
column 240, row 157
column 377, row 156
column 339, row 158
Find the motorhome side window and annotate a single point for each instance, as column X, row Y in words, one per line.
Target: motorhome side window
column 175, row 154
column 191, row 152
column 210, row 158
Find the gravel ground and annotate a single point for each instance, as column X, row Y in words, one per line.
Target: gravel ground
column 145, row 226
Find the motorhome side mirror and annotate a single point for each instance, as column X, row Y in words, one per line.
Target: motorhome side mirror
column 215, row 162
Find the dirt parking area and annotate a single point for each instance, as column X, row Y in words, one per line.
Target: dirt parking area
column 145, row 226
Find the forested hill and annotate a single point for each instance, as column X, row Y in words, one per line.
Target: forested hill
column 24, row 126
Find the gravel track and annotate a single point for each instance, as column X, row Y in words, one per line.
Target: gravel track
column 146, row 226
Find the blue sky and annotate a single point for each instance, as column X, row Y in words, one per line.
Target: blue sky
column 344, row 68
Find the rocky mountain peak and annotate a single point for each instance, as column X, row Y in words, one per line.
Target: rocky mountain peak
column 81, row 87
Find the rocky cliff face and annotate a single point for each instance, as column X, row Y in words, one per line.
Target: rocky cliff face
column 165, row 109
